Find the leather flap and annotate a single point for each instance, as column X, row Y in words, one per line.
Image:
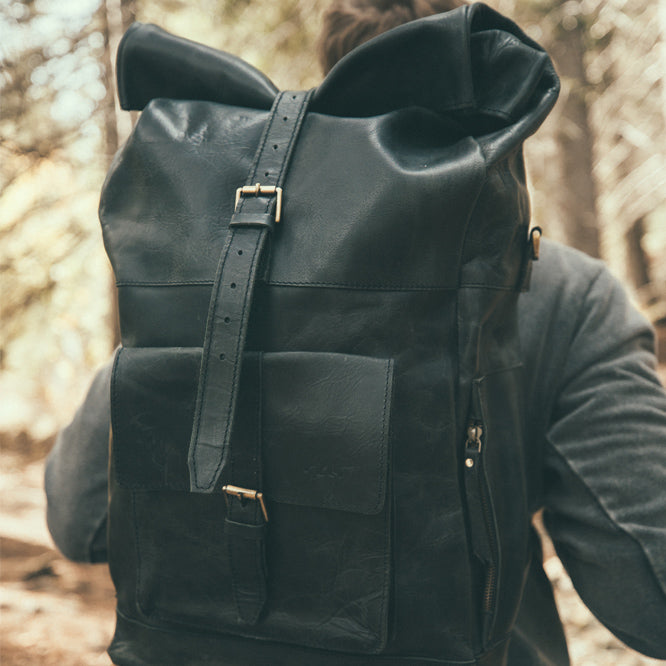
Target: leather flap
column 469, row 59
column 471, row 62
column 325, row 429
column 324, row 424
column 152, row 63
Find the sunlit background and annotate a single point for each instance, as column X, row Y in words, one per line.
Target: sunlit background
column 597, row 168
column 60, row 128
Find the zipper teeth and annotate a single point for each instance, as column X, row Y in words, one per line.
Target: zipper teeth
column 489, row 595
column 491, row 578
column 491, row 575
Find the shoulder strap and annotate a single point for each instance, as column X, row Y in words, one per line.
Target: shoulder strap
column 258, row 207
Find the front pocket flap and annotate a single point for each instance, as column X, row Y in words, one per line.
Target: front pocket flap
column 325, row 429
column 324, row 424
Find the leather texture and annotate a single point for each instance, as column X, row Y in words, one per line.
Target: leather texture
column 323, row 420
column 323, row 424
column 152, row 63
column 381, row 324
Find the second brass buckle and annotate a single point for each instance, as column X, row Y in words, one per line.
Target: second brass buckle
column 256, row 190
column 246, row 494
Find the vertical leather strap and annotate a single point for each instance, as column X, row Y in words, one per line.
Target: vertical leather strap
column 245, row 524
column 231, row 297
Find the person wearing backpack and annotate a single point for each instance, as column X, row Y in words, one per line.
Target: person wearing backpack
column 565, row 413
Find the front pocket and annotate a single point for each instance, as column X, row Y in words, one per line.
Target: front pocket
column 323, row 423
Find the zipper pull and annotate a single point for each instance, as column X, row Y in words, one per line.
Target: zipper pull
column 473, row 444
column 484, row 541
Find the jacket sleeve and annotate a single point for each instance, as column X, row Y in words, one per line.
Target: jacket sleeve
column 605, row 462
column 76, row 477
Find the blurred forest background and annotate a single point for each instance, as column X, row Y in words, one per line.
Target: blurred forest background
column 597, row 168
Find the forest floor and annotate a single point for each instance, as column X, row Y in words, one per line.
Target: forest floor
column 57, row 613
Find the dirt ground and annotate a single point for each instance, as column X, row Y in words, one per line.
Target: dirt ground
column 56, row 613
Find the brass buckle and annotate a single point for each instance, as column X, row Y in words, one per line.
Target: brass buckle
column 258, row 189
column 244, row 493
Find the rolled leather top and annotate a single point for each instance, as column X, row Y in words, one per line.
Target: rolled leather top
column 470, row 63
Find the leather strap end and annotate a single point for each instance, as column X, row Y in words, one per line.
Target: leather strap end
column 204, row 468
column 247, row 554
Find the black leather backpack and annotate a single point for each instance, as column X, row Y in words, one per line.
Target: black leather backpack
column 317, row 448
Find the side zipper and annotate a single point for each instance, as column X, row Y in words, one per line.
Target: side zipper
column 482, row 522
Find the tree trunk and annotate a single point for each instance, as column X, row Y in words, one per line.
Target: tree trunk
column 637, row 263
column 662, row 32
column 111, row 141
column 577, row 195
column 116, row 16
column 127, row 13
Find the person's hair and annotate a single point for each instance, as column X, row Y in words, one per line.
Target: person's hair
column 349, row 23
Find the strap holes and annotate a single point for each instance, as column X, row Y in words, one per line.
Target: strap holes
column 227, row 320
column 233, row 285
column 267, row 174
column 240, row 252
column 222, row 356
column 275, row 146
column 285, row 118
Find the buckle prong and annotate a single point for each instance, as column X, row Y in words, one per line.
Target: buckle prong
column 256, row 190
column 246, row 494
